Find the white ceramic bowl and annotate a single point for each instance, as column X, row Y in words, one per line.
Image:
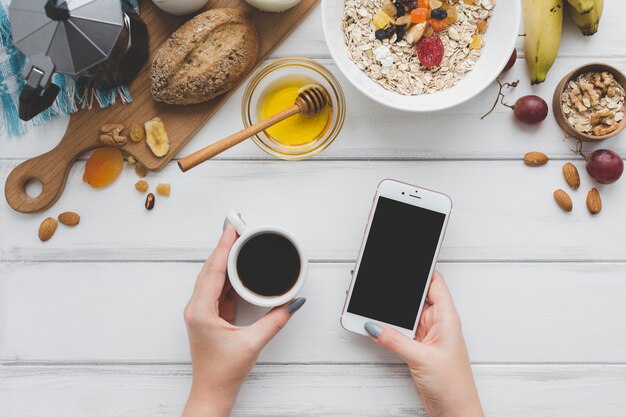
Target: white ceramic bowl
column 499, row 41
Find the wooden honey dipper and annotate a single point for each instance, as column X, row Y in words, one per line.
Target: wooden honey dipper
column 309, row 102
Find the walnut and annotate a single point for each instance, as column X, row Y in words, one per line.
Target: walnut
column 608, row 79
column 602, row 130
column 577, row 99
column 111, row 134
column 596, row 79
column 601, row 116
column 611, row 91
column 590, row 92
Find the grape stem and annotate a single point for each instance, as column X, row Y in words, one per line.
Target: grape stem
column 579, row 150
column 500, row 97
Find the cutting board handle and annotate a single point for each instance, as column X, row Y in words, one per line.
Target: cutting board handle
column 51, row 169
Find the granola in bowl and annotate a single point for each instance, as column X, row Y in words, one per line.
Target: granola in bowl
column 415, row 47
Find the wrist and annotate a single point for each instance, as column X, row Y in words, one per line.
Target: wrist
column 206, row 402
column 469, row 409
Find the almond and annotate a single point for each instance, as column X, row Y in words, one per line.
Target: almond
column 563, row 200
column 535, row 159
column 69, row 218
column 571, row 175
column 47, row 228
column 594, row 202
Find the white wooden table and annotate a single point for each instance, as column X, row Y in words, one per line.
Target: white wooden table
column 91, row 321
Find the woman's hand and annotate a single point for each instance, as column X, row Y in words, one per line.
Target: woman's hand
column 223, row 354
column 437, row 358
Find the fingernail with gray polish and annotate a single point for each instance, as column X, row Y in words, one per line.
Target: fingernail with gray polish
column 295, row 305
column 373, row 329
column 225, row 224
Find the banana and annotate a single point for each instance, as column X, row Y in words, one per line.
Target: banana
column 156, row 137
column 589, row 22
column 581, row 6
column 543, row 21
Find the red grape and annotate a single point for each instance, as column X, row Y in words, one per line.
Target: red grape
column 511, row 62
column 530, row 109
column 605, row 166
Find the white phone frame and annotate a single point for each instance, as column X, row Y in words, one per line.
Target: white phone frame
column 415, row 196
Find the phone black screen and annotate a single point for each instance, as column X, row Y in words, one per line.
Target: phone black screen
column 396, row 261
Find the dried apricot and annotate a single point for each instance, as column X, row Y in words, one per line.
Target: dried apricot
column 103, row 167
column 163, row 189
column 141, row 186
column 437, row 25
column 419, row 15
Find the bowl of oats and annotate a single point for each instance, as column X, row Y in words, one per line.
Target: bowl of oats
column 421, row 55
column 588, row 103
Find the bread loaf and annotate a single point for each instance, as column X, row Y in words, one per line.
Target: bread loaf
column 205, row 57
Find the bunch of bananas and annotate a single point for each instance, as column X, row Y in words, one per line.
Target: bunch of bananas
column 543, row 22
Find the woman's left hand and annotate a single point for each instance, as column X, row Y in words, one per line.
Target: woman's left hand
column 223, row 354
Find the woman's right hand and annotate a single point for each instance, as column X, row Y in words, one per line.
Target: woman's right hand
column 437, row 358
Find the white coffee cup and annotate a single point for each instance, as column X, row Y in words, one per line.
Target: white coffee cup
column 245, row 234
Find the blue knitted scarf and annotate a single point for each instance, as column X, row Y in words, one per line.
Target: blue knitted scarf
column 70, row 98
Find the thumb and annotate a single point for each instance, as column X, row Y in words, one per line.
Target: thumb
column 268, row 326
column 392, row 340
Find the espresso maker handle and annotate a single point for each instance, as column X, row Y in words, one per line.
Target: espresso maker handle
column 38, row 93
column 34, row 100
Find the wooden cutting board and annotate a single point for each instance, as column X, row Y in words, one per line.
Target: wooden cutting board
column 182, row 122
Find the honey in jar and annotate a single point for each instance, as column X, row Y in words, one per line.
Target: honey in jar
column 296, row 130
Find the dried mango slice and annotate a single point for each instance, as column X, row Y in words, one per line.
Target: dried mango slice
column 156, row 137
column 103, row 167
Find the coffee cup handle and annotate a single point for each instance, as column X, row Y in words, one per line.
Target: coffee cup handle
column 234, row 218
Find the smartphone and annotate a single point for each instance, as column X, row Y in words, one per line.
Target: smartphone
column 397, row 257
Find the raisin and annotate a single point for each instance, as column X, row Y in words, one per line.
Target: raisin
column 381, row 34
column 142, row 186
column 401, row 10
column 136, row 133
column 410, row 4
column 390, row 9
column 452, row 15
column 439, row 14
column 481, row 25
column 400, row 31
column 141, row 170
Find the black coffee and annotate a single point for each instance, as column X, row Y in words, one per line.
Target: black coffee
column 268, row 264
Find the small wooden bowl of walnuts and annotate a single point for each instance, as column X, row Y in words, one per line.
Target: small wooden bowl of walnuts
column 588, row 103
